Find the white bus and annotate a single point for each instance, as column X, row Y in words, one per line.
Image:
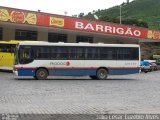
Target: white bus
column 97, row 60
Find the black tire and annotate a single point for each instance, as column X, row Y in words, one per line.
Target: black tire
column 41, row 74
column 93, row 77
column 102, row 74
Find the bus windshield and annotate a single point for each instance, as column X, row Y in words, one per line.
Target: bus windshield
column 25, row 54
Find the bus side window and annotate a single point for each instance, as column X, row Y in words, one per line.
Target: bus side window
column 58, row 56
column 89, row 54
column 53, row 51
column 64, row 53
column 81, row 53
column 58, row 53
column 42, row 52
column 3, row 48
column 105, row 54
column 12, row 48
column 7, row 48
column 72, row 53
column 134, row 53
column 92, row 53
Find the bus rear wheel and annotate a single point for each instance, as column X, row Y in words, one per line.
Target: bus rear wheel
column 41, row 74
column 102, row 74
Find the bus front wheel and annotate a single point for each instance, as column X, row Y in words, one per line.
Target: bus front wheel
column 41, row 74
column 102, row 74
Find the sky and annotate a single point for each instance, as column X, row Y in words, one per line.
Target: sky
column 70, row 7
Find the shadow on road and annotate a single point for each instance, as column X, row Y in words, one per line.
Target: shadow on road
column 6, row 71
column 74, row 79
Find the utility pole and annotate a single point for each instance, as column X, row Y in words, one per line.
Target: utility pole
column 65, row 13
column 120, row 15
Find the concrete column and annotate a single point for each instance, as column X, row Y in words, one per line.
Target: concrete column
column 105, row 40
column 71, row 38
column 8, row 33
column 42, row 36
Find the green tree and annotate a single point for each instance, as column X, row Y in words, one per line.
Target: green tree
column 81, row 15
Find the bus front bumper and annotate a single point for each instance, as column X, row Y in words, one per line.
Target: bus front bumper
column 15, row 72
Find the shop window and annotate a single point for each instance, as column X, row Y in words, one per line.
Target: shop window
column 84, row 39
column 25, row 35
column 56, row 37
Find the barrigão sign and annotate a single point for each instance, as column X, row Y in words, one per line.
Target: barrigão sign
column 108, row 29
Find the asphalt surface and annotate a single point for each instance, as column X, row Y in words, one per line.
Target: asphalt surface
column 137, row 93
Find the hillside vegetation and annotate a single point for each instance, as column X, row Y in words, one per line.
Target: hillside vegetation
column 141, row 13
column 144, row 13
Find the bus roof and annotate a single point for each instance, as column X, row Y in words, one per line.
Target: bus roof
column 45, row 43
column 12, row 41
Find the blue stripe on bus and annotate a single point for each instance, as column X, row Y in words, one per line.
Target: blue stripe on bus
column 26, row 72
column 77, row 72
column 123, row 71
column 73, row 72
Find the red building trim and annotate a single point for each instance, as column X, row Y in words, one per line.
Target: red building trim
column 50, row 20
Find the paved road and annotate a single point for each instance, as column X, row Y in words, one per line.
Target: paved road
column 138, row 93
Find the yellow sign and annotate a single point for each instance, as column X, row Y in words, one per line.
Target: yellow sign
column 153, row 34
column 31, row 18
column 4, row 15
column 150, row 34
column 59, row 22
column 156, row 56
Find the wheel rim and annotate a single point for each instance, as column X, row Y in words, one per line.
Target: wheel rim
column 102, row 74
column 42, row 74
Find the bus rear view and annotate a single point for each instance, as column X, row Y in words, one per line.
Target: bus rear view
column 7, row 56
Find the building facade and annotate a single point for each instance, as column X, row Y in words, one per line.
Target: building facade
column 30, row 25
